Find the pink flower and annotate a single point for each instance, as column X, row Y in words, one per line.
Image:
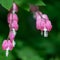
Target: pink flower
column 15, row 7
column 14, row 25
column 12, row 17
column 33, row 8
column 38, row 20
column 43, row 23
column 11, row 35
column 38, row 24
column 37, row 15
column 48, row 25
column 7, row 45
column 12, row 20
column 4, row 45
column 44, row 16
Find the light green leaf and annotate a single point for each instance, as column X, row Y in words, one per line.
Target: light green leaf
column 27, row 53
column 6, row 3
column 25, row 3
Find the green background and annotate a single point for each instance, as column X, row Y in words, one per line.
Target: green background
column 30, row 45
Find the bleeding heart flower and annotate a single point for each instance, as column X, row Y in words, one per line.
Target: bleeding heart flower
column 7, row 45
column 48, row 25
column 14, row 25
column 12, row 17
column 43, row 23
column 11, row 35
column 15, row 7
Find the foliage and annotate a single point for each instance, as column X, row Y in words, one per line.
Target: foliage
column 30, row 45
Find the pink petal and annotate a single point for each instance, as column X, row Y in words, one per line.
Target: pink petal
column 45, row 16
column 11, row 36
column 48, row 25
column 10, row 45
column 4, row 45
column 12, row 17
column 15, row 25
column 15, row 7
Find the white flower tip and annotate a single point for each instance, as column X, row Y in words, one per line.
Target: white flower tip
column 14, row 31
column 13, row 11
column 7, row 52
column 45, row 32
column 14, row 43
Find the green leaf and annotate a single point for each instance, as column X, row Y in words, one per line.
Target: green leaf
column 19, row 2
column 19, row 43
column 22, row 3
column 25, row 3
column 3, row 56
column 27, row 53
column 6, row 3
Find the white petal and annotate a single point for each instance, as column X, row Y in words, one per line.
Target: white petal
column 14, row 31
column 7, row 52
column 45, row 32
column 13, row 11
column 14, row 43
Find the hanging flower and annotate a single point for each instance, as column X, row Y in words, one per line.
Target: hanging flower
column 43, row 23
column 7, row 45
column 12, row 20
column 11, row 17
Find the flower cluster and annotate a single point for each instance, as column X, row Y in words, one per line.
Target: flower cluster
column 12, row 20
column 42, row 21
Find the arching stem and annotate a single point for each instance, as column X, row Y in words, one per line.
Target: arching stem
column 41, row 32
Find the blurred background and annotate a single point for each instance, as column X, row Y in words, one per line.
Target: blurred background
column 30, row 45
